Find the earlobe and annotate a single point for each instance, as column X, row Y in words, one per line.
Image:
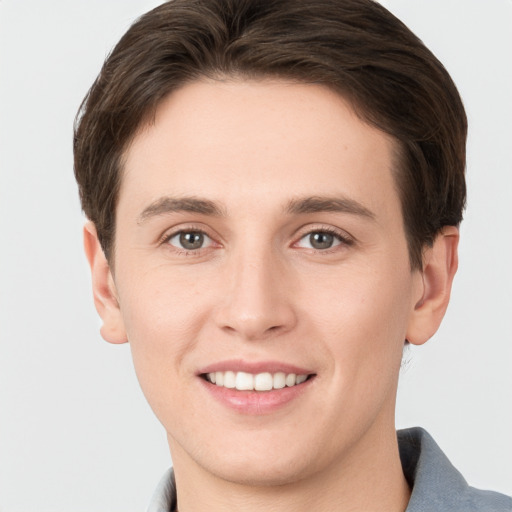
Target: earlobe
column 104, row 290
column 439, row 267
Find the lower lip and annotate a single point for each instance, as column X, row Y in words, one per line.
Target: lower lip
column 256, row 402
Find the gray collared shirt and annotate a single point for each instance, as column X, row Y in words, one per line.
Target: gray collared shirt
column 436, row 485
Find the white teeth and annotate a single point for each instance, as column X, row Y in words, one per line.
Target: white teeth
column 279, row 380
column 229, row 380
column 291, row 379
column 263, row 382
column 301, row 379
column 244, row 381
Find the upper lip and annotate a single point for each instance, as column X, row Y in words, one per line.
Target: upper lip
column 254, row 367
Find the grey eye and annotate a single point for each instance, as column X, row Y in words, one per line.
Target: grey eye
column 190, row 240
column 321, row 240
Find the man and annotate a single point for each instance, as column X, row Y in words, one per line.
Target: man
column 274, row 191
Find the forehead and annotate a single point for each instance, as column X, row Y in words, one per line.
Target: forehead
column 242, row 142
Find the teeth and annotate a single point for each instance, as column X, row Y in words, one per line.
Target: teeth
column 263, row 382
column 301, row 379
column 229, row 380
column 279, row 380
column 243, row 381
column 291, row 379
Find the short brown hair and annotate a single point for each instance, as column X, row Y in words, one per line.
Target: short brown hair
column 355, row 47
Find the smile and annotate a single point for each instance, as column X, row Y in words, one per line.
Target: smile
column 243, row 381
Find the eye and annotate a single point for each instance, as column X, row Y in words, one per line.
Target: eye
column 190, row 240
column 321, row 240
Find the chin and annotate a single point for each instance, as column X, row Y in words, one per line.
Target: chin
column 255, row 461
column 268, row 473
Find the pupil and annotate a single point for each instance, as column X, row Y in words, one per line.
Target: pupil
column 321, row 240
column 191, row 240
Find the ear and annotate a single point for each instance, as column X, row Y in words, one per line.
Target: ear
column 439, row 266
column 104, row 289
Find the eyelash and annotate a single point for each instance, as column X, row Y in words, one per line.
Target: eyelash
column 166, row 238
column 344, row 240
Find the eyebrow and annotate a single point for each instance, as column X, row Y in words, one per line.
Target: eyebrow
column 305, row 205
column 316, row 204
column 169, row 204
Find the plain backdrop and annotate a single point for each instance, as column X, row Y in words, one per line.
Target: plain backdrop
column 75, row 431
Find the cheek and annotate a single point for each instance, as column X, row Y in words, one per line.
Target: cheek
column 370, row 300
column 362, row 316
column 162, row 317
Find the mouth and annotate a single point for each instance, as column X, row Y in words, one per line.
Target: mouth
column 265, row 381
column 256, row 387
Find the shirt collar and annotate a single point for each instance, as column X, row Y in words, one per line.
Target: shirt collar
column 164, row 497
column 435, row 483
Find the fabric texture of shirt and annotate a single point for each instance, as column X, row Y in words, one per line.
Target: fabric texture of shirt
column 436, row 485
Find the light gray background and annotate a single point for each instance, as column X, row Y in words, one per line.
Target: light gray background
column 75, row 431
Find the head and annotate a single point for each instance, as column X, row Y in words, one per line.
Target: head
column 354, row 47
column 273, row 187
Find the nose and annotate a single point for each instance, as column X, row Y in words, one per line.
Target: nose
column 258, row 299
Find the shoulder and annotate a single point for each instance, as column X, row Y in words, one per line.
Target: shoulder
column 487, row 501
column 436, row 484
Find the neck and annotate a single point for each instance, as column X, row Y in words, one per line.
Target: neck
column 369, row 479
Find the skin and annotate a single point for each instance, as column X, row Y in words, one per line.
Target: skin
column 259, row 291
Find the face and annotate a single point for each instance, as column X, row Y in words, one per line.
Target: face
column 260, row 244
